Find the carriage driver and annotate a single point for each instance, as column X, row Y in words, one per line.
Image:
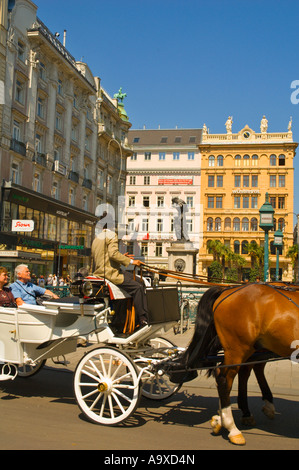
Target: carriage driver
column 107, row 262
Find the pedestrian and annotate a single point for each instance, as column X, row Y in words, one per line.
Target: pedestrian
column 50, row 280
column 54, row 280
column 6, row 297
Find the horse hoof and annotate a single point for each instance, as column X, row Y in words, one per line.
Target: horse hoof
column 216, row 424
column 269, row 410
column 238, row 439
column 248, row 421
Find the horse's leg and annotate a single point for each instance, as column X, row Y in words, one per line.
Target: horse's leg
column 267, row 396
column 243, row 377
column 224, row 381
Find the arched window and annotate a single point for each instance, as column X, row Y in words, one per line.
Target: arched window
column 246, row 159
column 227, row 224
column 236, row 224
column 218, row 224
column 272, row 160
column 210, row 224
column 238, row 160
column 211, row 160
column 254, row 160
column 220, row 160
column 244, row 247
column 254, row 224
column 245, row 224
column 281, row 224
column 237, row 247
column 281, row 160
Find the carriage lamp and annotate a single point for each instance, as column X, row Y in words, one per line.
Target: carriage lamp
column 266, row 224
column 278, row 242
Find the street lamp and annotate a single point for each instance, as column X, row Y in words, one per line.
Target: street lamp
column 278, row 237
column 266, row 224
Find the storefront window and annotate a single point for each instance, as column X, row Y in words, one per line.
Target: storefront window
column 52, row 227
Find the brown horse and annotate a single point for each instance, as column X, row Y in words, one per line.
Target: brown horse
column 241, row 321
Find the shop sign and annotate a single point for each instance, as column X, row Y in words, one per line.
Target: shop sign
column 22, row 225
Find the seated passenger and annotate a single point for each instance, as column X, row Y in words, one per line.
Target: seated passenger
column 24, row 291
column 108, row 260
column 6, row 297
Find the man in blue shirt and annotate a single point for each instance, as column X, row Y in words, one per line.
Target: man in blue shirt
column 24, row 291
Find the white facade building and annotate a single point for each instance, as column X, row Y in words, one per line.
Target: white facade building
column 165, row 164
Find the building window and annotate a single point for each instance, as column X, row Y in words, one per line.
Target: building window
column 130, row 225
column 245, row 202
column 190, row 155
column 189, row 225
column 253, row 202
column 281, row 160
column 227, row 224
column 210, row 224
column 211, row 161
column 254, row 181
column 244, row 247
column 161, row 155
column 273, row 202
column 219, row 181
column 237, row 181
column 236, row 247
column 238, row 160
column 281, row 203
column 189, row 202
column 245, row 224
column 176, row 155
column 253, row 225
column 246, row 160
column 59, row 87
column 55, row 191
column 15, row 173
column 211, row 202
column 160, row 201
column 220, row 160
column 219, row 202
column 272, row 181
column 211, row 181
column 16, row 133
column 42, row 71
column 236, row 224
column 147, row 180
column 146, row 201
column 159, row 225
column 254, row 160
column 145, row 225
column 132, row 180
column 147, row 156
column 218, row 224
column 134, row 156
column 20, row 92
column 272, row 160
column 281, row 181
column 246, row 181
column 58, row 121
column 281, row 224
column 40, row 107
column 237, row 202
column 159, row 249
column 21, row 51
column 131, row 201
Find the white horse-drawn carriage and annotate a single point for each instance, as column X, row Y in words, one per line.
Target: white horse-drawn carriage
column 110, row 378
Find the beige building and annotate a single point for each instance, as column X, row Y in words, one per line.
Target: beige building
column 63, row 146
column 238, row 169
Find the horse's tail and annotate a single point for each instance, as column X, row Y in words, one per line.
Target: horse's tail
column 205, row 339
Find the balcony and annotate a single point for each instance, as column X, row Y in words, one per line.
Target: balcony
column 74, row 176
column 40, row 158
column 59, row 168
column 18, row 147
column 87, row 183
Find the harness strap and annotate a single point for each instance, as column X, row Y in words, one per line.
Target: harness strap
column 277, row 289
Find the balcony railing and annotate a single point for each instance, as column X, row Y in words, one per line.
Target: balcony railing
column 18, row 147
column 87, row 183
column 40, row 158
column 74, row 176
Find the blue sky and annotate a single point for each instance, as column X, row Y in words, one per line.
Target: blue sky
column 189, row 62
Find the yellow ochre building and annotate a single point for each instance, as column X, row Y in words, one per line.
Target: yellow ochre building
column 238, row 169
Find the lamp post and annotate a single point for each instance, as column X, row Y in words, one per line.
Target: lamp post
column 278, row 237
column 266, row 224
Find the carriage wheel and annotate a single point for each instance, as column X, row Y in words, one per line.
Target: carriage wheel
column 106, row 386
column 159, row 387
column 27, row 370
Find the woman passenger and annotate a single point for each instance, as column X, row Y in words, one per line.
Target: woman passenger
column 6, row 297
